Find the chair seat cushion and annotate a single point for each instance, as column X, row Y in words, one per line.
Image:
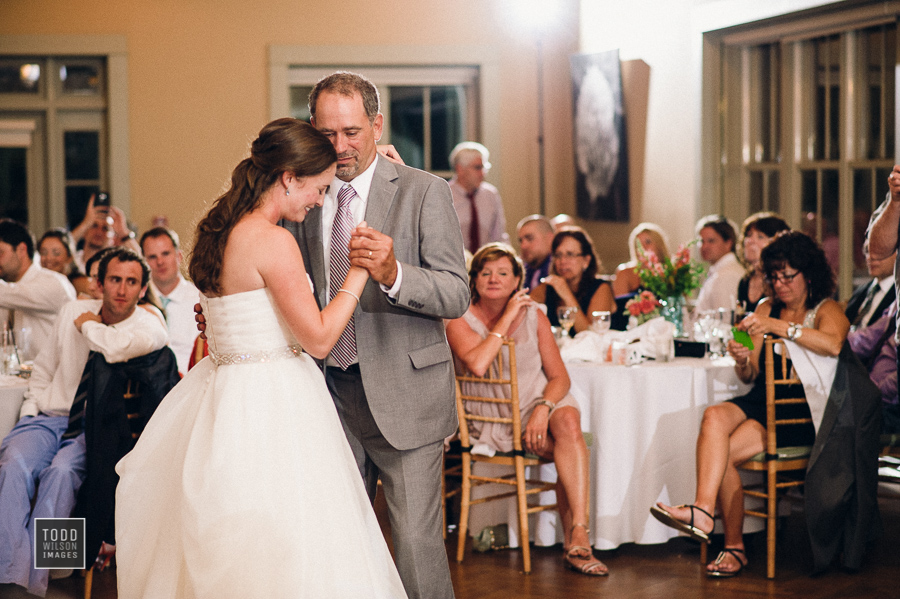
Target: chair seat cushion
column 785, row 453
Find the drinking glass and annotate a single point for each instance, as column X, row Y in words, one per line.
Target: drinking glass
column 705, row 327
column 601, row 322
column 566, row 316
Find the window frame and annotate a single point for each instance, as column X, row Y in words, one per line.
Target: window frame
column 726, row 154
column 404, row 63
column 114, row 49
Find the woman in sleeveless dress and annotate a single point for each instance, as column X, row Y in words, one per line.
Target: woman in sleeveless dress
column 574, row 281
column 243, row 484
column 799, row 308
column 551, row 416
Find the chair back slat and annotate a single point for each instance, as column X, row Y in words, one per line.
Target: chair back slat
column 497, row 378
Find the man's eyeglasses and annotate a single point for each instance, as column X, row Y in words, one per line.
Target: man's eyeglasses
column 566, row 256
column 781, row 277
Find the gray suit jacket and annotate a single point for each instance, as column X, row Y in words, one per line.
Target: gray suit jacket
column 404, row 359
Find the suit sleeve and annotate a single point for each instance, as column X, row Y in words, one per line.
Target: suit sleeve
column 438, row 285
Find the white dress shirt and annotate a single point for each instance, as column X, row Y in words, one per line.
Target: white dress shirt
column 720, row 288
column 179, row 306
column 361, row 185
column 884, row 286
column 58, row 368
column 36, row 299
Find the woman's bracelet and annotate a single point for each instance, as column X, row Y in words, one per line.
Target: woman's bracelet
column 497, row 335
column 351, row 294
column 549, row 404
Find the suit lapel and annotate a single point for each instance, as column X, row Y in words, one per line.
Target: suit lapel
column 381, row 194
column 312, row 227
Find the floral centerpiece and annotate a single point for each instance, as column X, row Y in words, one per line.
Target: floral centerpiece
column 643, row 307
column 670, row 280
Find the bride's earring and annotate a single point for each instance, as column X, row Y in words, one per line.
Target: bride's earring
column 287, row 191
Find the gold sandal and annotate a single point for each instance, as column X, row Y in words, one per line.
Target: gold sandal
column 584, row 564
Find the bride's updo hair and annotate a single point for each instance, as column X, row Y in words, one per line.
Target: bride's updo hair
column 284, row 145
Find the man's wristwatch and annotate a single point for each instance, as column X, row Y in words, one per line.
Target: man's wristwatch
column 125, row 238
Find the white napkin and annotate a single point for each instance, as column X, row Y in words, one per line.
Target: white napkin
column 586, row 346
column 483, row 449
column 817, row 374
column 658, row 339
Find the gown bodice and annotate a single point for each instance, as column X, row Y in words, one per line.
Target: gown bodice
column 245, row 324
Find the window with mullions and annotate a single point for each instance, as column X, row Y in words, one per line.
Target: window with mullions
column 427, row 111
column 806, row 127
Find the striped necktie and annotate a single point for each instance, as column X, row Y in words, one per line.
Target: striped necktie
column 344, row 351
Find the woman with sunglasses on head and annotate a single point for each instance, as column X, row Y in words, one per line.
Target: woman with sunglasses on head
column 574, row 281
column 799, row 308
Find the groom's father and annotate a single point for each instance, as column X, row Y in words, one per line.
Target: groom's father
column 391, row 373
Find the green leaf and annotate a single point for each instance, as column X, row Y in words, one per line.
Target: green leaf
column 742, row 337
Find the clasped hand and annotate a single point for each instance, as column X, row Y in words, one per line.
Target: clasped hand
column 374, row 251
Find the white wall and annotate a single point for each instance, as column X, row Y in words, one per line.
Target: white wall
column 667, row 34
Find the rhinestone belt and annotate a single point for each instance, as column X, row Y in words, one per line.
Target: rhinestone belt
column 269, row 355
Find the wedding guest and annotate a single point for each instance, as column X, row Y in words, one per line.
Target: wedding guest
column 163, row 253
column 717, row 240
column 876, row 346
column 57, row 253
column 882, row 235
column 501, row 308
column 561, row 221
column 149, row 301
column 102, row 227
column 757, row 232
column 535, row 235
column 651, row 238
column 734, row 431
column 869, row 301
column 477, row 203
column 42, row 460
column 573, row 281
column 30, row 296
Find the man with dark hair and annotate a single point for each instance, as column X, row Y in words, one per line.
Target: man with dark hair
column 391, row 373
column 30, row 296
column 46, row 449
column 535, row 246
column 178, row 295
column 869, row 301
column 717, row 242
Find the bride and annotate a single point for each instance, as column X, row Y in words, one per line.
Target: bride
column 243, row 484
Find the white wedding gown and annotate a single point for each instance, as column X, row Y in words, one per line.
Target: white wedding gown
column 243, row 484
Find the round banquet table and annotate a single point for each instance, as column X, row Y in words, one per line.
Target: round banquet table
column 644, row 420
column 12, row 393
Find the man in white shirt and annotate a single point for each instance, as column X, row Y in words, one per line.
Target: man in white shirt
column 30, row 296
column 178, row 295
column 717, row 239
column 46, row 449
column 477, row 204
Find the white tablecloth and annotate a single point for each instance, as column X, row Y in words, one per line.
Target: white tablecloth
column 12, row 393
column 645, row 420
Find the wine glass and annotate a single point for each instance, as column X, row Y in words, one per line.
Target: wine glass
column 705, row 326
column 566, row 316
column 601, row 320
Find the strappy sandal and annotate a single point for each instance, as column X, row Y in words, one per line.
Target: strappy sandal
column 583, row 564
column 686, row 527
column 728, row 573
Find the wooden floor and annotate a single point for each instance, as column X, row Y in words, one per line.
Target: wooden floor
column 670, row 571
